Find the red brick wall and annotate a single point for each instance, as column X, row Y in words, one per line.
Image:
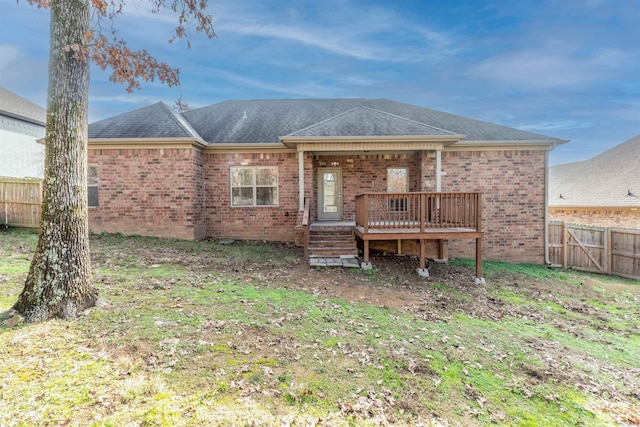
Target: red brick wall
column 198, row 183
column 427, row 176
column 272, row 223
column 149, row 192
column 600, row 217
column 512, row 183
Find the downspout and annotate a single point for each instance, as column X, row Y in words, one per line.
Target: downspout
column 547, row 261
column 546, row 207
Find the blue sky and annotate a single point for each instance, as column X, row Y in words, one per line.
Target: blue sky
column 569, row 69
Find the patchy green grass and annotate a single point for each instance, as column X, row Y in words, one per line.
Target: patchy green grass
column 246, row 334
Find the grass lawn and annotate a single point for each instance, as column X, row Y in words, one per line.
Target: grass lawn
column 246, row 334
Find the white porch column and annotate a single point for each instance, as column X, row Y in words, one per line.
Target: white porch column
column 301, row 178
column 438, row 170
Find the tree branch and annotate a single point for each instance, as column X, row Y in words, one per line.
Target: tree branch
column 131, row 66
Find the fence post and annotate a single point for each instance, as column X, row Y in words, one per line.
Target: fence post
column 608, row 249
column 565, row 246
column 3, row 187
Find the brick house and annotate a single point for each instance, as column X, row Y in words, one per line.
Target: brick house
column 280, row 170
column 601, row 191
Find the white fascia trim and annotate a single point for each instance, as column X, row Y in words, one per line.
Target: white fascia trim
column 249, row 147
column 293, row 140
column 594, row 207
column 140, row 143
column 508, row 142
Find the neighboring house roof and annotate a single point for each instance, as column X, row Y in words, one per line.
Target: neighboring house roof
column 154, row 121
column 15, row 106
column 602, row 181
column 265, row 121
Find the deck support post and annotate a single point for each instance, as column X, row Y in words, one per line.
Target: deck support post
column 366, row 251
column 423, row 254
column 479, row 279
column 366, row 265
column 422, row 271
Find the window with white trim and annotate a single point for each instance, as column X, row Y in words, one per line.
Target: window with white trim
column 254, row 185
column 92, row 186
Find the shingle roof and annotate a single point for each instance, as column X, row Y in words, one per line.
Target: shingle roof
column 365, row 121
column 256, row 121
column 265, row 121
column 154, row 121
column 603, row 180
column 16, row 106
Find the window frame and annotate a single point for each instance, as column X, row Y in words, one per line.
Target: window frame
column 254, row 186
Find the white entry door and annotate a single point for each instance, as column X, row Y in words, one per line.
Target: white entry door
column 329, row 193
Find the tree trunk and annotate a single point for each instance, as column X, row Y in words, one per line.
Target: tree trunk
column 59, row 282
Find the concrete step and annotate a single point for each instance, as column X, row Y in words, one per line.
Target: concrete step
column 325, row 252
column 334, row 262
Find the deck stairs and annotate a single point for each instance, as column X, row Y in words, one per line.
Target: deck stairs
column 332, row 244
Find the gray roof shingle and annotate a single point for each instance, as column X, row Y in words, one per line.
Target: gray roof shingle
column 603, row 180
column 154, row 121
column 265, row 121
column 365, row 121
column 16, row 106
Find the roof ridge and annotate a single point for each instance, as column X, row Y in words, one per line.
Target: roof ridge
column 181, row 121
column 364, row 107
column 173, row 115
column 324, row 121
column 410, row 120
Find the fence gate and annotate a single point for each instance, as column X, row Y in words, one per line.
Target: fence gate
column 596, row 249
column 586, row 248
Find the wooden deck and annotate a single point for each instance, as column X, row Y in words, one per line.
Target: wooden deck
column 429, row 233
column 420, row 216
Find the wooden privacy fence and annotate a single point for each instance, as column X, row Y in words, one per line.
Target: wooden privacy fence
column 597, row 249
column 20, row 202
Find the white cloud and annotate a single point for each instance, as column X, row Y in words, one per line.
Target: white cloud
column 23, row 74
column 333, row 42
column 344, row 28
column 308, row 89
column 555, row 125
column 548, row 68
column 9, row 56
